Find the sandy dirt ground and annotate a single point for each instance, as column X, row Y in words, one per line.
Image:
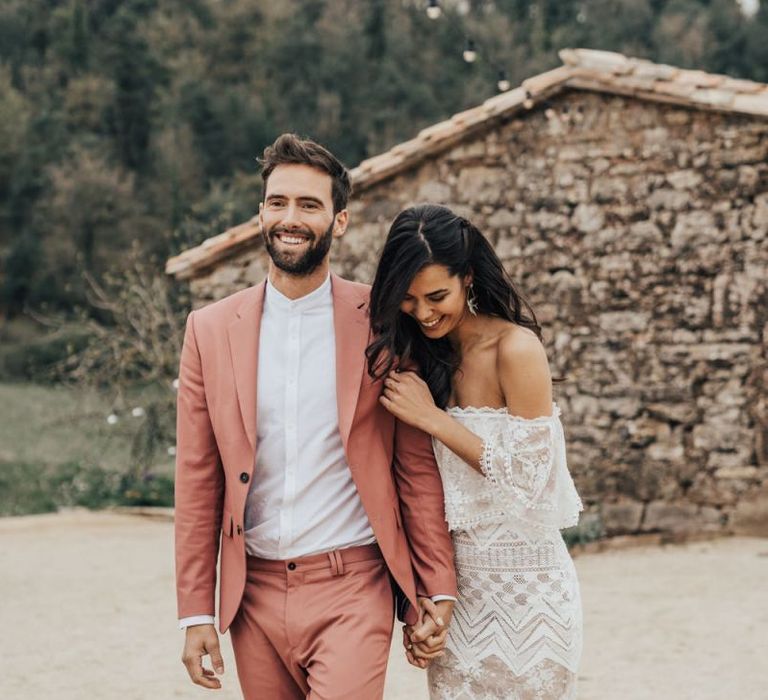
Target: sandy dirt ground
column 88, row 613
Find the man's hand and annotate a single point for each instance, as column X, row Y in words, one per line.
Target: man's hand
column 426, row 641
column 202, row 640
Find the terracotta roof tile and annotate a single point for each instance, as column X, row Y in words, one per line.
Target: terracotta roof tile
column 699, row 78
column 752, row 104
column 712, row 96
column 659, row 71
column 469, row 116
column 674, row 88
column 584, row 69
column 437, row 131
column 542, row 83
column 187, row 263
column 606, row 61
column 506, row 100
column 743, row 86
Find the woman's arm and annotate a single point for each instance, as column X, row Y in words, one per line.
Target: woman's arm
column 525, row 382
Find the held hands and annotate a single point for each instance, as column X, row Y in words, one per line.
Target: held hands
column 201, row 640
column 407, row 397
column 426, row 640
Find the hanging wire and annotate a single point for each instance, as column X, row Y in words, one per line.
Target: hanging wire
column 470, row 52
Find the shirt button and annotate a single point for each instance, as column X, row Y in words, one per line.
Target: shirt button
column 291, row 566
column 244, row 477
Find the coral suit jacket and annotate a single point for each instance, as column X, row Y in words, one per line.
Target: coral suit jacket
column 392, row 464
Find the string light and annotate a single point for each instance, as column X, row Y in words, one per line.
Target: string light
column 503, row 82
column 433, row 9
column 470, row 54
column 470, row 51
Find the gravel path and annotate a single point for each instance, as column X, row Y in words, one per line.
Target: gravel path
column 88, row 612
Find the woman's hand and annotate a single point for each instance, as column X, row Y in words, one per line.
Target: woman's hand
column 407, row 397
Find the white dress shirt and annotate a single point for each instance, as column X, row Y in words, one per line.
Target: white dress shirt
column 302, row 499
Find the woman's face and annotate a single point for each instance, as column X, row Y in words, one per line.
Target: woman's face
column 436, row 299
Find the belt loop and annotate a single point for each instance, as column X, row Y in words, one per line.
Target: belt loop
column 334, row 567
column 337, row 563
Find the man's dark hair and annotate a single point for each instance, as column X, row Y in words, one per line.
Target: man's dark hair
column 290, row 149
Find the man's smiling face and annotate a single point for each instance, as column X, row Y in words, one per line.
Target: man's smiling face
column 297, row 219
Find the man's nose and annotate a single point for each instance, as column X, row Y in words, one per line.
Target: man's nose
column 291, row 218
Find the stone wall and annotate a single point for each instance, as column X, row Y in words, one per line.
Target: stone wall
column 639, row 232
column 243, row 270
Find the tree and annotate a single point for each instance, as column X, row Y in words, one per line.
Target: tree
column 89, row 218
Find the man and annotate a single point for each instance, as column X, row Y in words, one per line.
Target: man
column 321, row 500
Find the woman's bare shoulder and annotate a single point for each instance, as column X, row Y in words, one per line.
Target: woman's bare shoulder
column 523, row 372
column 518, row 345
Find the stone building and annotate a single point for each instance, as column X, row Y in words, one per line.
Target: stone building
column 630, row 202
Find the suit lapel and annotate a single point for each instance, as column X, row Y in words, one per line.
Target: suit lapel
column 351, row 329
column 244, row 348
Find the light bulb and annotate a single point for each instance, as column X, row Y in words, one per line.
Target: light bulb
column 503, row 82
column 470, row 52
column 433, row 9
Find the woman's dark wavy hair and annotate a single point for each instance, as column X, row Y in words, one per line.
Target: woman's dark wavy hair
column 420, row 236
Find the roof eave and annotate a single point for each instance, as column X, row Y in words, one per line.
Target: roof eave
column 195, row 260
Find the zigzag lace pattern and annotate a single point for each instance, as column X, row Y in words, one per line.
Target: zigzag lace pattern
column 516, row 632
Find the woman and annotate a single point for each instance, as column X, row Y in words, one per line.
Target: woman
column 441, row 301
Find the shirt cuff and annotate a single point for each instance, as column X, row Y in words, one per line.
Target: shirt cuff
column 196, row 620
column 438, row 598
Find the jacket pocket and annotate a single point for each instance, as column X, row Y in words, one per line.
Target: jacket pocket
column 227, row 524
column 398, row 518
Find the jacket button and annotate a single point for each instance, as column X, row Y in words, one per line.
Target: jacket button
column 244, row 477
column 291, row 566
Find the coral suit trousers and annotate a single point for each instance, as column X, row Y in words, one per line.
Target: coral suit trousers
column 316, row 627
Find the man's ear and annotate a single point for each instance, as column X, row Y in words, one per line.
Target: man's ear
column 341, row 221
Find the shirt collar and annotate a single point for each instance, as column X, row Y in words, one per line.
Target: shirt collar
column 316, row 299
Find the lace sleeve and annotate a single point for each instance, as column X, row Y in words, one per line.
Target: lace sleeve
column 525, row 460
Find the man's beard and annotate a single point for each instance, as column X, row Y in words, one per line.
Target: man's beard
column 306, row 263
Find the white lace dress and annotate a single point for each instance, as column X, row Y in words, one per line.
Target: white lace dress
column 517, row 627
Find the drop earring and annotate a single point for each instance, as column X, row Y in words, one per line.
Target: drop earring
column 471, row 300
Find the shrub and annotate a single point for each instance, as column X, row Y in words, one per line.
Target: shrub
column 34, row 488
column 589, row 529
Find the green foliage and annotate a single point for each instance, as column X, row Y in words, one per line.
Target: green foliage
column 589, row 529
column 57, row 449
column 24, row 489
column 35, row 488
column 38, row 359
